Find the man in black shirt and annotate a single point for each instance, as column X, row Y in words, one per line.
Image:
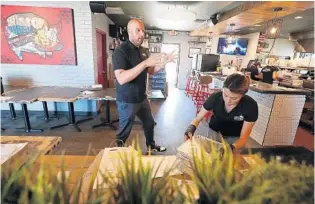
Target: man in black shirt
column 234, row 113
column 131, row 64
column 253, row 69
column 269, row 74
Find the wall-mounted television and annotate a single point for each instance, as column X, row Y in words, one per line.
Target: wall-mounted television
column 237, row 47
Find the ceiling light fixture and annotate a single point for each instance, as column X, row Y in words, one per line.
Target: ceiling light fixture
column 298, row 17
column 273, row 26
column 175, row 17
column 257, row 25
column 230, row 39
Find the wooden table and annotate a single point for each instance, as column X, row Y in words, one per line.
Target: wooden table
column 6, row 89
column 63, row 94
column 36, row 145
column 23, row 96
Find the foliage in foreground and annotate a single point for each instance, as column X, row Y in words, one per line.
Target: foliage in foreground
column 214, row 178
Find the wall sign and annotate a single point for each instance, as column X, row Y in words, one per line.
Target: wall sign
column 37, row 35
column 193, row 51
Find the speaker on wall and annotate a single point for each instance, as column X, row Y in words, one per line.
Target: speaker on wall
column 97, row 6
column 114, row 31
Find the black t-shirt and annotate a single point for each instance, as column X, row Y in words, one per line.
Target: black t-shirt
column 267, row 74
column 253, row 72
column 230, row 124
column 126, row 57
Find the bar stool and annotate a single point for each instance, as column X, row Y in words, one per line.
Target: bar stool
column 195, row 93
column 202, row 96
column 191, row 86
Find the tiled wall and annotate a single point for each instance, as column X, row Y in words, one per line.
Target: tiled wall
column 285, row 118
column 265, row 103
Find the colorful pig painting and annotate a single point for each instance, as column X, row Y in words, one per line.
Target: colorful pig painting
column 27, row 32
column 37, row 35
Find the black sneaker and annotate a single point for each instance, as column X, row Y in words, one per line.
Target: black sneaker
column 156, row 148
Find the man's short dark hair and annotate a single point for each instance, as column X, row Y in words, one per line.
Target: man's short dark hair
column 237, row 83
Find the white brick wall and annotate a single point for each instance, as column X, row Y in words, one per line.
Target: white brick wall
column 81, row 75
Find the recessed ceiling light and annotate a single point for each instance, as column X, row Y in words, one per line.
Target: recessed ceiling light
column 298, row 17
column 257, row 25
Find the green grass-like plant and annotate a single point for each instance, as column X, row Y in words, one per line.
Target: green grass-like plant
column 214, row 177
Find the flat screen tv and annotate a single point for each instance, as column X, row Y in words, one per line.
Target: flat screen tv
column 237, row 47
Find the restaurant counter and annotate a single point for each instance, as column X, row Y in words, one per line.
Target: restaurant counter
column 279, row 108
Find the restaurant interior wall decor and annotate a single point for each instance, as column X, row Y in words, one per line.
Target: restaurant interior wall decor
column 37, row 35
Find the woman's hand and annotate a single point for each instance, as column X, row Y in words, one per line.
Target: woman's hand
column 189, row 133
column 229, row 147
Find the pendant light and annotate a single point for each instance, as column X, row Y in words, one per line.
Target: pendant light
column 273, row 26
column 230, row 39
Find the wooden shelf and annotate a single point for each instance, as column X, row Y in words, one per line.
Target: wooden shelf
column 197, row 42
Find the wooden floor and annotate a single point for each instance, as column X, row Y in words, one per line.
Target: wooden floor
column 172, row 115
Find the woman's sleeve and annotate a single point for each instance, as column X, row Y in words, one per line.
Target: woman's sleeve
column 210, row 102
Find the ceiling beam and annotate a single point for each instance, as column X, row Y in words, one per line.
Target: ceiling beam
column 251, row 13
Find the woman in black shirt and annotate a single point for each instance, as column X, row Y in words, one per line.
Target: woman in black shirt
column 234, row 113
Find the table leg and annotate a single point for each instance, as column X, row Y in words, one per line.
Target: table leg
column 72, row 121
column 12, row 111
column 106, row 122
column 46, row 114
column 27, row 123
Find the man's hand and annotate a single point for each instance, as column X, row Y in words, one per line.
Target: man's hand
column 190, row 132
column 171, row 57
column 156, row 61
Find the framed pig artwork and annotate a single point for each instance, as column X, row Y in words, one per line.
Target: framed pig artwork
column 37, row 35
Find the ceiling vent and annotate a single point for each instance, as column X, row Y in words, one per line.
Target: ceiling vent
column 114, row 10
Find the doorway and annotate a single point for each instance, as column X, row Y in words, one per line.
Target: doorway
column 101, row 58
column 172, row 68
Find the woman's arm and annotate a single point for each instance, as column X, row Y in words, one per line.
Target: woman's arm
column 202, row 113
column 195, row 123
column 245, row 133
